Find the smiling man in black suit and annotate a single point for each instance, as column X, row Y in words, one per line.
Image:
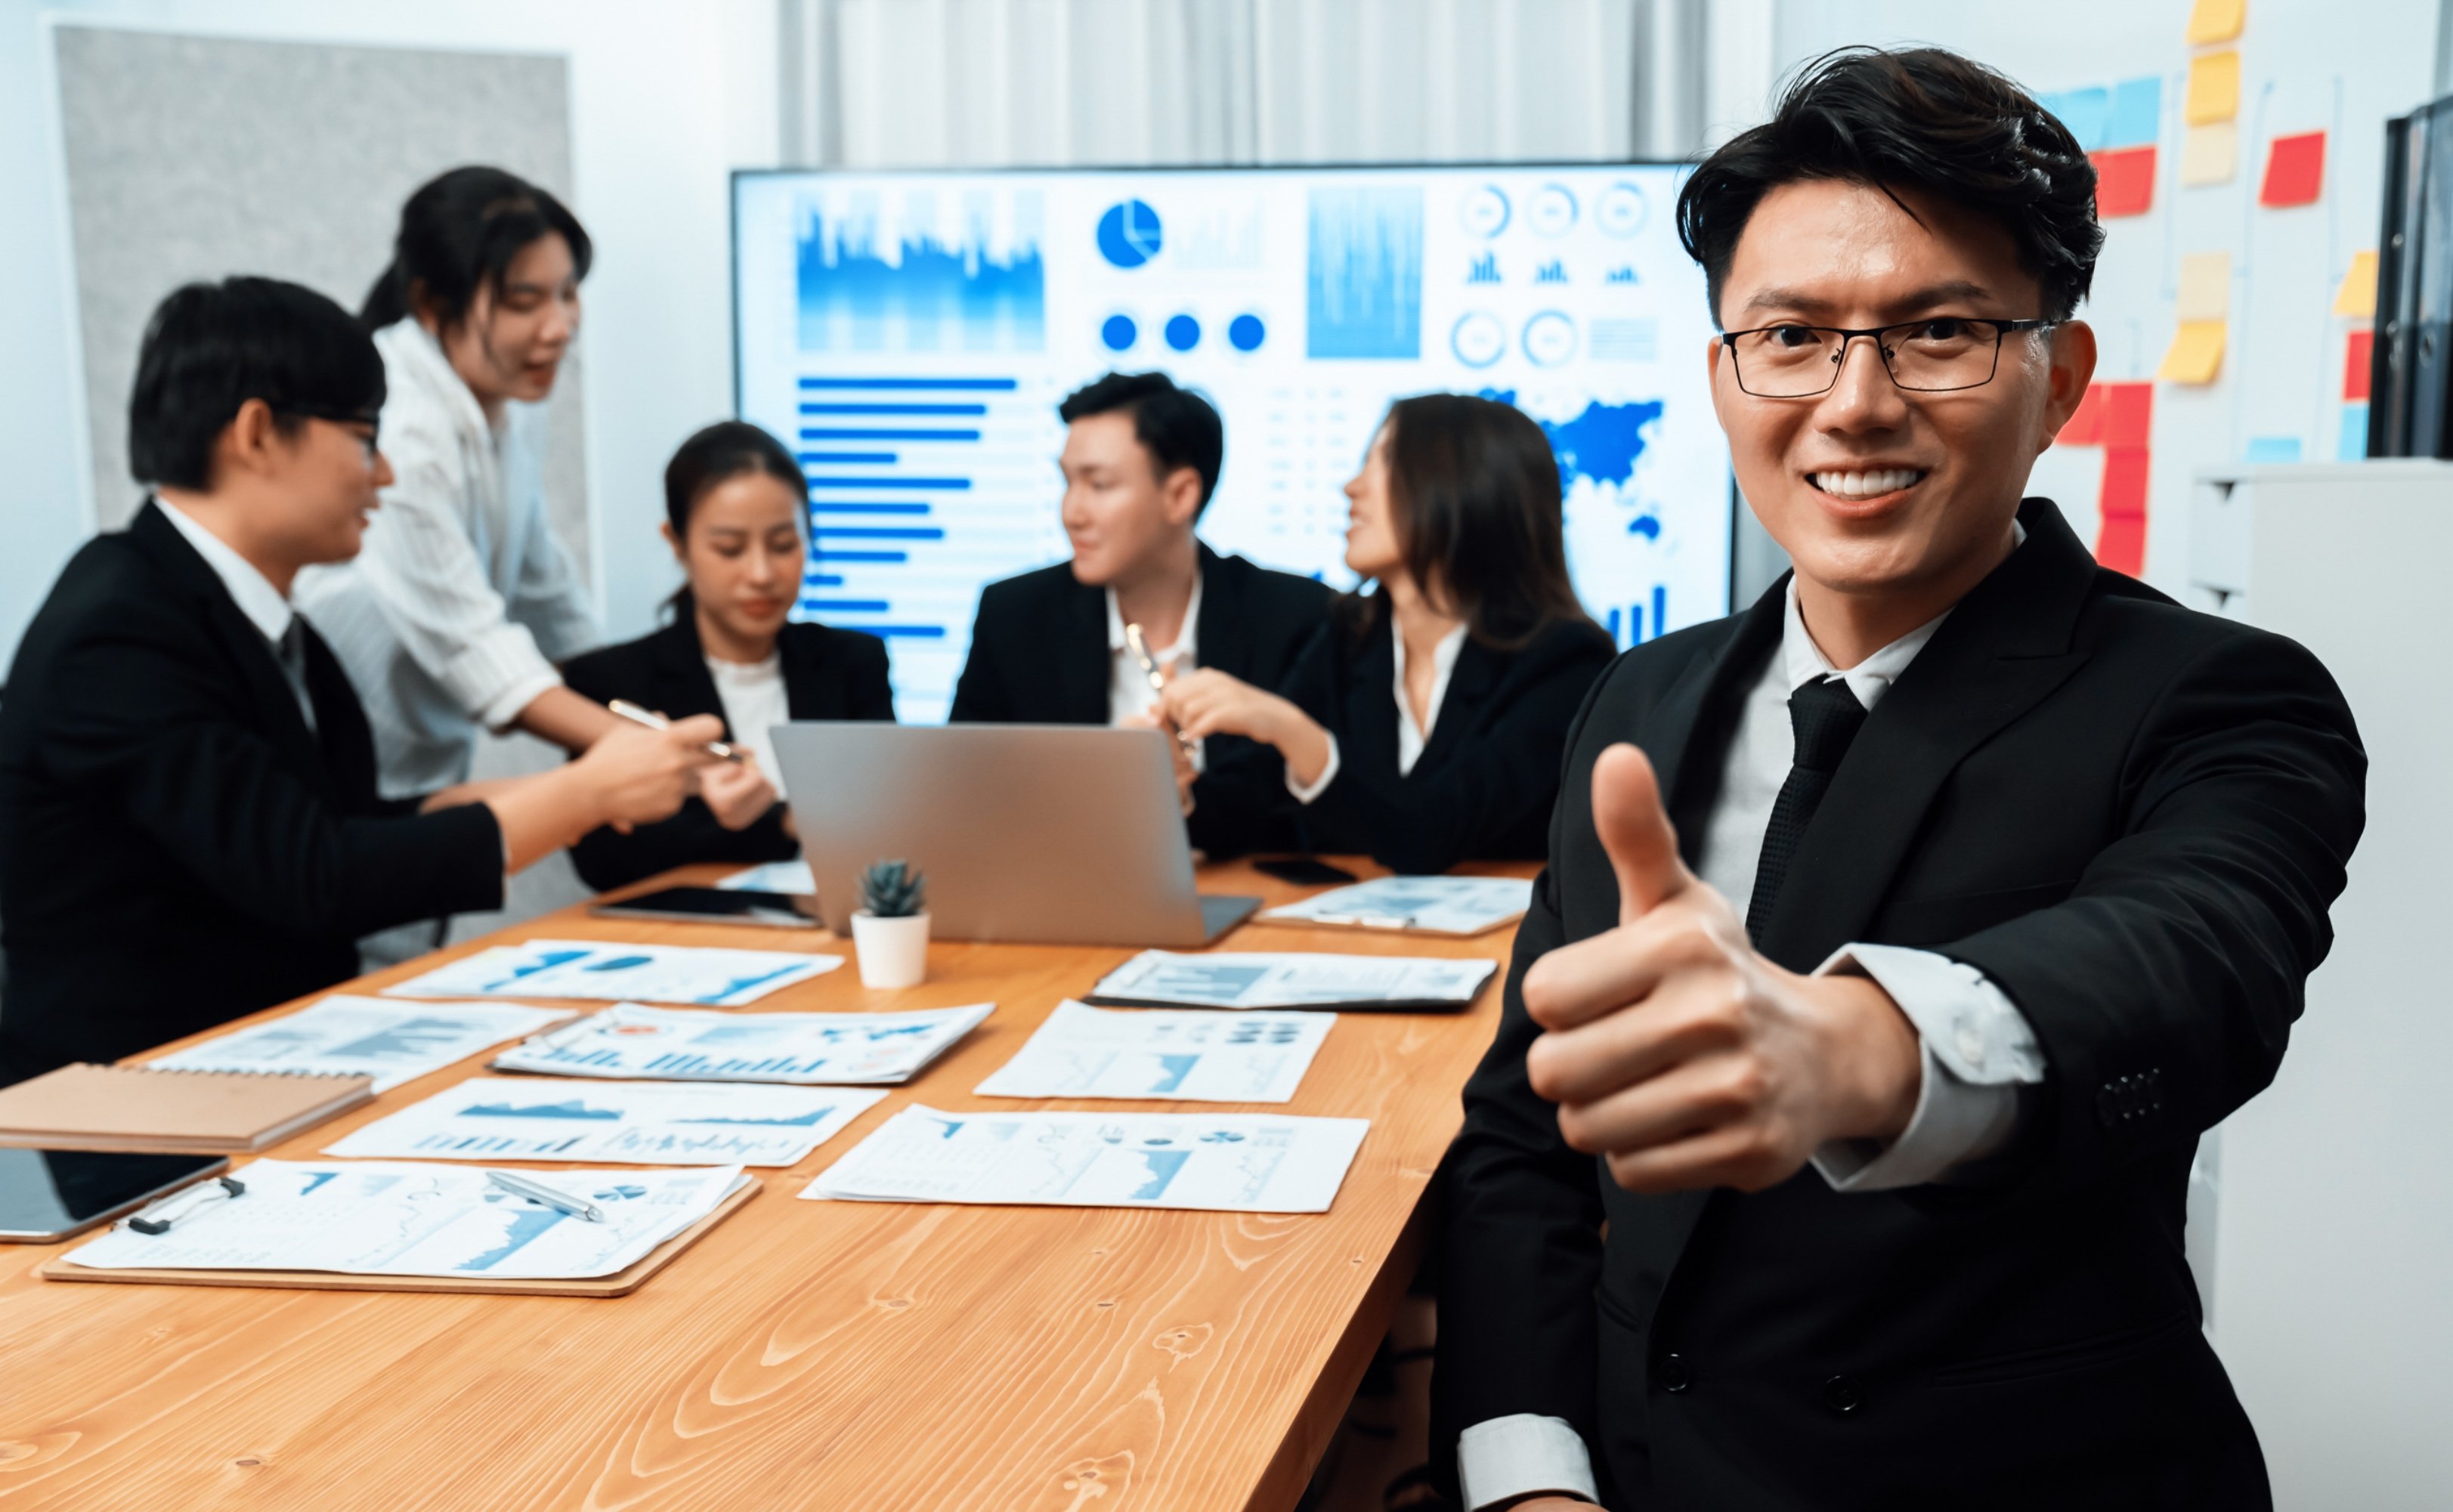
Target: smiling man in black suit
column 1977, row 878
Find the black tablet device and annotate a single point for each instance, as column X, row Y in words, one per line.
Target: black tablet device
column 780, row 910
column 50, row 1194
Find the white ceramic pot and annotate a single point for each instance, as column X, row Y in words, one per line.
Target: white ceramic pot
column 894, row 952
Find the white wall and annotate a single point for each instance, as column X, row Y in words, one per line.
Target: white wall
column 665, row 101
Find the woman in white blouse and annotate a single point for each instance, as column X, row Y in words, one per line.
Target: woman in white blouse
column 736, row 516
column 1425, row 723
column 455, row 615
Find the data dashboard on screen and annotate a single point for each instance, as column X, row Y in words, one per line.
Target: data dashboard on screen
column 909, row 336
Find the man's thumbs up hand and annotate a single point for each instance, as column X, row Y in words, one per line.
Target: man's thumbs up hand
column 1679, row 1053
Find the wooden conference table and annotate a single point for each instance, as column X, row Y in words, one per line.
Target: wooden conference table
column 820, row 1355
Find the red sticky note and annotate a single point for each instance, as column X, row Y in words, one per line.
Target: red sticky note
column 2128, row 415
column 2085, row 428
column 2121, row 544
column 2125, row 484
column 2357, row 363
column 2125, row 181
column 2295, row 170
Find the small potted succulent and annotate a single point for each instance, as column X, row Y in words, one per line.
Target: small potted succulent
column 889, row 932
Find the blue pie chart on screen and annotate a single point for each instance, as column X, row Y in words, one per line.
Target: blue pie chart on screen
column 1128, row 233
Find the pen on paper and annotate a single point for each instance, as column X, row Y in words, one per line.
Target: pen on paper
column 538, row 1191
column 1139, row 644
column 624, row 708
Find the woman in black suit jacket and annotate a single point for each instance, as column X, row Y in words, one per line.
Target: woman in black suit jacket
column 734, row 499
column 1424, row 723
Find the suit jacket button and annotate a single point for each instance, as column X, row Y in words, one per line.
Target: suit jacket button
column 1672, row 1374
column 1843, row 1394
column 2107, row 1106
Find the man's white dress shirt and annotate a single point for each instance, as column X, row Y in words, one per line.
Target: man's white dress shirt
column 1976, row 1046
column 1411, row 736
column 265, row 606
column 446, row 621
column 1130, row 694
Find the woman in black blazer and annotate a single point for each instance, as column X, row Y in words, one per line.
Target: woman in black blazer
column 1424, row 725
column 734, row 503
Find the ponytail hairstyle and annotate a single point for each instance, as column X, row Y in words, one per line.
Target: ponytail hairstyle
column 720, row 453
column 458, row 234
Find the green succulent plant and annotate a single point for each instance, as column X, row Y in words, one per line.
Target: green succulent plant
column 890, row 890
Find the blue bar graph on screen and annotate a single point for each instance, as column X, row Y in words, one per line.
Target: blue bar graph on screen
column 919, row 292
column 1364, row 272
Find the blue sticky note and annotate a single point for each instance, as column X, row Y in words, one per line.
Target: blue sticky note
column 2354, row 444
column 2272, row 448
column 2084, row 111
column 2137, row 115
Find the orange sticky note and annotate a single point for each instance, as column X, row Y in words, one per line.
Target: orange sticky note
column 2215, row 21
column 2125, row 181
column 2196, row 353
column 2357, row 297
column 2295, row 170
column 2214, row 88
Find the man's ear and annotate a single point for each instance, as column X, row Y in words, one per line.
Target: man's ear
column 2072, row 358
column 1181, row 492
column 252, row 442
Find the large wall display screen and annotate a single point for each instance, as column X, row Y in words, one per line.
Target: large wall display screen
column 910, row 334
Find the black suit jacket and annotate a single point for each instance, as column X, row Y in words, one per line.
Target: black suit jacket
column 2133, row 819
column 1039, row 656
column 1482, row 787
column 828, row 674
column 176, row 848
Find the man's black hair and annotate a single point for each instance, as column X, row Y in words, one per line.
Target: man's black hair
column 210, row 348
column 1178, row 425
column 1917, row 118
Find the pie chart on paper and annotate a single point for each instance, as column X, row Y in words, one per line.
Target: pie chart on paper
column 1128, row 233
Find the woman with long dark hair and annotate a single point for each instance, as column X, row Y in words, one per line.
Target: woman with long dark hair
column 1424, row 723
column 735, row 504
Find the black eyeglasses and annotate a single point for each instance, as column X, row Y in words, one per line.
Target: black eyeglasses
column 357, row 417
column 1937, row 355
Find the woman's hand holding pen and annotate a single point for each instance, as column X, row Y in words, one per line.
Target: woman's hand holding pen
column 1208, row 702
column 737, row 792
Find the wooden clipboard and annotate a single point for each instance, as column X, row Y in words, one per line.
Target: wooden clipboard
column 621, row 1284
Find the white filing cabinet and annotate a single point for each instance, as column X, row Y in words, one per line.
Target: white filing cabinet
column 2333, row 1256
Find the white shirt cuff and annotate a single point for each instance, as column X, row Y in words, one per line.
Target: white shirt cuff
column 1976, row 1050
column 1320, row 784
column 1518, row 1455
column 503, row 710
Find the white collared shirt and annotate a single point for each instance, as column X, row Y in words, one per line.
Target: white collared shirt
column 1977, row 1050
column 447, row 619
column 266, row 607
column 755, row 701
column 1130, row 693
column 1411, row 737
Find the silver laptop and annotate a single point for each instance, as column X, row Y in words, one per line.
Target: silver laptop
column 1054, row 834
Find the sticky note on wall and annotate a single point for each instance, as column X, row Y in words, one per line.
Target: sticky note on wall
column 2357, row 297
column 2215, row 21
column 2084, row 113
column 2358, row 366
column 2214, row 88
column 2137, row 114
column 2208, row 154
column 2295, row 170
column 2196, row 353
column 2125, row 181
column 2205, row 286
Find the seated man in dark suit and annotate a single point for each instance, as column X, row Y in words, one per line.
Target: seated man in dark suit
column 1977, row 878
column 189, row 826
column 1141, row 460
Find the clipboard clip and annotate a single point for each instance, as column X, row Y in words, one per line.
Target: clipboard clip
column 157, row 1219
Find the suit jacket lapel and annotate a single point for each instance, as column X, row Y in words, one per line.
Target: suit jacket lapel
column 683, row 685
column 1688, row 730
column 276, row 707
column 2001, row 651
column 1477, row 672
column 1082, row 663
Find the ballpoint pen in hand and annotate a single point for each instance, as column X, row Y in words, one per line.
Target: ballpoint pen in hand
column 1139, row 644
column 624, row 708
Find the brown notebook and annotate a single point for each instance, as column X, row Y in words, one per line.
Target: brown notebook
column 143, row 1107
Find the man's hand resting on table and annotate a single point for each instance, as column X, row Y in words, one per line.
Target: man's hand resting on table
column 1682, row 1056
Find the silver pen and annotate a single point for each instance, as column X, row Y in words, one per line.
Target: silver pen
column 552, row 1197
column 624, row 708
column 1139, row 644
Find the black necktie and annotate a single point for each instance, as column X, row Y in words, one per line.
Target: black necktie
column 1826, row 717
column 290, row 651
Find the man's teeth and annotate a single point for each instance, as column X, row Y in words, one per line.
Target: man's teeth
column 1865, row 484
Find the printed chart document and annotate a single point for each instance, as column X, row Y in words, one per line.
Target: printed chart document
column 1162, row 979
column 771, row 876
column 596, row 968
column 1224, row 1162
column 1188, row 1055
column 345, row 1036
column 408, row 1219
column 493, row 1118
column 682, row 1045
column 1449, row 905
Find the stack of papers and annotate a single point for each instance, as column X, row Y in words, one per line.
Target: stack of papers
column 1184, row 1055
column 1243, row 1163
column 678, row 1044
column 344, row 1036
column 1448, row 905
column 1294, row 980
column 489, row 1117
column 403, row 1219
column 593, row 969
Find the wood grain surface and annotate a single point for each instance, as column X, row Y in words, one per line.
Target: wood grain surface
column 817, row 1355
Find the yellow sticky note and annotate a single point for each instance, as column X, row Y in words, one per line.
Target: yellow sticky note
column 2196, row 353
column 2209, row 154
column 2357, row 297
column 2215, row 21
column 2214, row 88
column 2205, row 286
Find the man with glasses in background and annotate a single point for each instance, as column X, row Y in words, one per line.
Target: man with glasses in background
column 1900, row 934
column 189, row 825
